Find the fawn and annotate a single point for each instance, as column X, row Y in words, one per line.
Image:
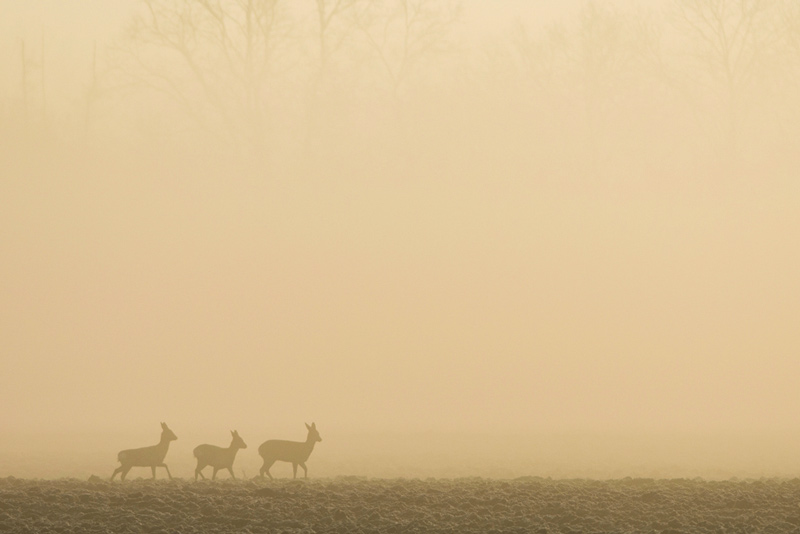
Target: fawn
column 151, row 457
column 217, row 457
column 296, row 452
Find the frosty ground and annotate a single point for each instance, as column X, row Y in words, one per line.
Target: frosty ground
column 349, row 504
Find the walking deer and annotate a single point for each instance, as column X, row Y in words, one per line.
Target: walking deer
column 217, row 457
column 296, row 452
column 151, row 457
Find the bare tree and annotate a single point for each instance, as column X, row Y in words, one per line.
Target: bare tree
column 43, row 82
column 786, row 102
column 789, row 24
column 731, row 41
column 603, row 59
column 328, row 12
column 24, row 80
column 216, row 58
column 329, row 36
column 34, row 95
column 91, row 95
column 591, row 61
column 542, row 58
column 402, row 34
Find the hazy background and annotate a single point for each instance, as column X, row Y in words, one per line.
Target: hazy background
column 465, row 238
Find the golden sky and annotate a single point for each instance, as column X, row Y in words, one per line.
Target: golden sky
column 472, row 270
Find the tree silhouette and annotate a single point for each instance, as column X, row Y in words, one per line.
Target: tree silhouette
column 329, row 35
column 215, row 58
column 731, row 42
column 328, row 12
column 592, row 62
column 403, row 33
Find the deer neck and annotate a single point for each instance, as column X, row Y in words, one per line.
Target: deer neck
column 310, row 442
column 163, row 444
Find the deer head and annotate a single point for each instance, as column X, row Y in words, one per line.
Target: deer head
column 313, row 435
column 167, row 434
column 238, row 442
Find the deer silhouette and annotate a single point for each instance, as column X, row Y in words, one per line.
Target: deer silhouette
column 151, row 457
column 218, row 457
column 296, row 452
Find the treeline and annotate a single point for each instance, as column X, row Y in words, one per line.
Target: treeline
column 677, row 89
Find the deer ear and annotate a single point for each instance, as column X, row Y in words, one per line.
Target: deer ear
column 313, row 425
column 308, row 427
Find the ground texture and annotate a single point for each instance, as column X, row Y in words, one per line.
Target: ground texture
column 350, row 505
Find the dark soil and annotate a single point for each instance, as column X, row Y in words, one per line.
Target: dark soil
column 352, row 505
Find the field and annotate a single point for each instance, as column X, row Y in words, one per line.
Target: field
column 350, row 504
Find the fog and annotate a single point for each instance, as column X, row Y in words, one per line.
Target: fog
column 465, row 238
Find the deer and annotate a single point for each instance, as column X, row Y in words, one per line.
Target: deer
column 151, row 457
column 296, row 452
column 217, row 457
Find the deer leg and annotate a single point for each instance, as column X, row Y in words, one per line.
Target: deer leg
column 214, row 476
column 125, row 471
column 153, row 468
column 165, row 467
column 305, row 470
column 117, row 470
column 265, row 468
column 294, row 470
column 232, row 475
column 199, row 471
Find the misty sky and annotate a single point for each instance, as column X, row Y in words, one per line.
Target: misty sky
column 138, row 287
